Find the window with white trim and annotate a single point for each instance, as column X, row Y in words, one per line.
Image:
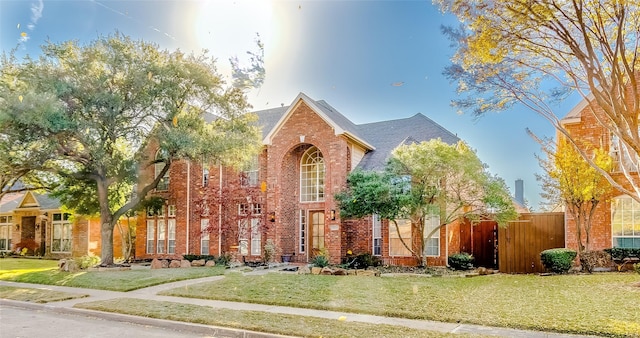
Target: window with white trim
column 171, row 230
column 205, row 176
column 250, row 173
column 621, row 156
column 204, row 236
column 396, row 248
column 312, row 170
column 249, row 236
column 171, row 210
column 161, row 154
column 432, row 244
column 162, row 236
column 303, row 231
column 151, row 236
column 61, row 233
column 377, row 235
column 625, row 222
column 5, row 232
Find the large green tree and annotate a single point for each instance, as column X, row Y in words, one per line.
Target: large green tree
column 97, row 106
column 423, row 180
column 533, row 52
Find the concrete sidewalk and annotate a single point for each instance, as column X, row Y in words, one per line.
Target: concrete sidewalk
column 150, row 293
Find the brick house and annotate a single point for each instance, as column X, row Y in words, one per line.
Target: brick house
column 286, row 195
column 38, row 223
column 616, row 222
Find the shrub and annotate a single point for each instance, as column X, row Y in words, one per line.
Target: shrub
column 619, row 254
column 224, row 260
column 365, row 260
column 320, row 261
column 558, row 260
column 636, row 268
column 85, row 262
column 461, row 261
column 192, row 257
column 592, row 259
column 269, row 251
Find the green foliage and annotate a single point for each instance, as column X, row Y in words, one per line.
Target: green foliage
column 595, row 258
column 320, row 261
column 192, row 258
column 361, row 261
column 95, row 110
column 87, row 261
column 636, row 268
column 558, row 260
column 619, row 254
column 461, row 261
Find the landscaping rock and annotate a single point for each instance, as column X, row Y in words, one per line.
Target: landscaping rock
column 304, row 270
column 482, row 271
column 185, row 263
column 326, row 271
column 372, row 273
column 316, row 270
column 351, row 272
column 198, row 262
column 174, row 263
column 68, row 265
column 340, row 272
column 210, row 263
column 156, row 264
column 165, row 263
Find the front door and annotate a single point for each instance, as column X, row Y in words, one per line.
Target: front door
column 28, row 233
column 317, row 231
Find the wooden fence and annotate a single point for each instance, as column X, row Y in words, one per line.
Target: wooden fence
column 520, row 243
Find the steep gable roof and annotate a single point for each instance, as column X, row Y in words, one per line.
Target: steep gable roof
column 387, row 135
column 340, row 124
column 14, row 201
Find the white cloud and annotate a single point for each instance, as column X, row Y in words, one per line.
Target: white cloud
column 36, row 13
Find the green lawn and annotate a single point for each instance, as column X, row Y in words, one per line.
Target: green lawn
column 603, row 304
column 284, row 324
column 35, row 295
column 46, row 272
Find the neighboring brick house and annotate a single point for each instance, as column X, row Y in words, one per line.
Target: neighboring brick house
column 38, row 223
column 616, row 222
column 286, row 196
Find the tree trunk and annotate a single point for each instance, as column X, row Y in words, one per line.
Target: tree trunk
column 106, row 239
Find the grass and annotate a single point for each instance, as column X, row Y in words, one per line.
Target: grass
column 35, row 295
column 46, row 272
column 299, row 326
column 602, row 304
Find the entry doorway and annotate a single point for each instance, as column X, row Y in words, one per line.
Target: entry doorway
column 316, row 240
column 28, row 232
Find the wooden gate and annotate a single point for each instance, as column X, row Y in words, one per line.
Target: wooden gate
column 484, row 244
column 520, row 243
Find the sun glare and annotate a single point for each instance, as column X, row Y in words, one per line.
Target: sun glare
column 228, row 28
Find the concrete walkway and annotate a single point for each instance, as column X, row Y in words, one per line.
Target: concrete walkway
column 150, row 293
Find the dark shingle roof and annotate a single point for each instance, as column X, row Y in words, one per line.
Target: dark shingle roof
column 383, row 136
column 387, row 135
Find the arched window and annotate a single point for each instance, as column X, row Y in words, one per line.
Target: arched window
column 625, row 222
column 161, row 154
column 312, row 176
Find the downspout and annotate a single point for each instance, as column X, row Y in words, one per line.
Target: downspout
column 186, row 248
column 446, row 244
column 219, row 210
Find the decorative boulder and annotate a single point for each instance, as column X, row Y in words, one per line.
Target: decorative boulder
column 304, row 270
column 197, row 262
column 165, row 263
column 210, row 263
column 156, row 264
column 316, row 270
column 340, row 272
column 326, row 271
column 174, row 263
column 185, row 263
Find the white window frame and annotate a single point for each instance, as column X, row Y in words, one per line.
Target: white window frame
column 161, row 246
column 163, row 184
column 204, row 236
column 432, row 245
column 312, row 175
column 171, row 236
column 61, row 240
column 151, row 236
column 627, row 228
column 249, row 236
column 377, row 235
column 6, row 225
column 205, row 176
column 250, row 173
column 171, row 210
column 302, row 240
column 395, row 243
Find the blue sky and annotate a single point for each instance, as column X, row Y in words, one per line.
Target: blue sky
column 371, row 60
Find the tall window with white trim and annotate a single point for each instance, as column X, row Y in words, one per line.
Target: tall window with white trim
column 432, row 244
column 171, row 230
column 161, row 155
column 204, row 236
column 5, row 232
column 61, row 237
column 162, row 236
column 312, row 170
column 303, row 231
column 396, row 248
column 151, row 236
column 377, row 235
